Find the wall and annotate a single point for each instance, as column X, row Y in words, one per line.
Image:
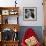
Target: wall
column 38, row 5
column 26, row 3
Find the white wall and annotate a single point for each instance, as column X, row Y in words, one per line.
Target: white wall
column 27, row 3
column 38, row 5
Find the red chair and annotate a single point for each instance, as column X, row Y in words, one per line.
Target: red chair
column 29, row 33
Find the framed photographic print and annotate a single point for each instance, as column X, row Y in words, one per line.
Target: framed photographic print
column 5, row 19
column 30, row 13
column 9, row 19
column 12, row 20
column 5, row 12
column 6, row 34
column 13, row 12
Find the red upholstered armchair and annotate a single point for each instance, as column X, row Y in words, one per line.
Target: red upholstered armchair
column 30, row 39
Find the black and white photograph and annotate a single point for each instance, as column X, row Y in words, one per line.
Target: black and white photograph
column 30, row 13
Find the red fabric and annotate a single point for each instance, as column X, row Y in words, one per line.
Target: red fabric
column 28, row 33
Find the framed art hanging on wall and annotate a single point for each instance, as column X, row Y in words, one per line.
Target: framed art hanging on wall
column 30, row 13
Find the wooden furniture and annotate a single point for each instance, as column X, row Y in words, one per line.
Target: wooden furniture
column 11, row 26
column 6, row 12
column 44, row 8
column 10, row 43
column 7, row 23
column 44, row 36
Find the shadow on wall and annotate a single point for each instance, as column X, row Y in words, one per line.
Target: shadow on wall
column 37, row 29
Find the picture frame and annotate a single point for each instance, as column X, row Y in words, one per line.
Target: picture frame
column 9, row 19
column 30, row 13
column 6, row 34
column 5, row 20
column 13, row 12
column 12, row 20
column 5, row 12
